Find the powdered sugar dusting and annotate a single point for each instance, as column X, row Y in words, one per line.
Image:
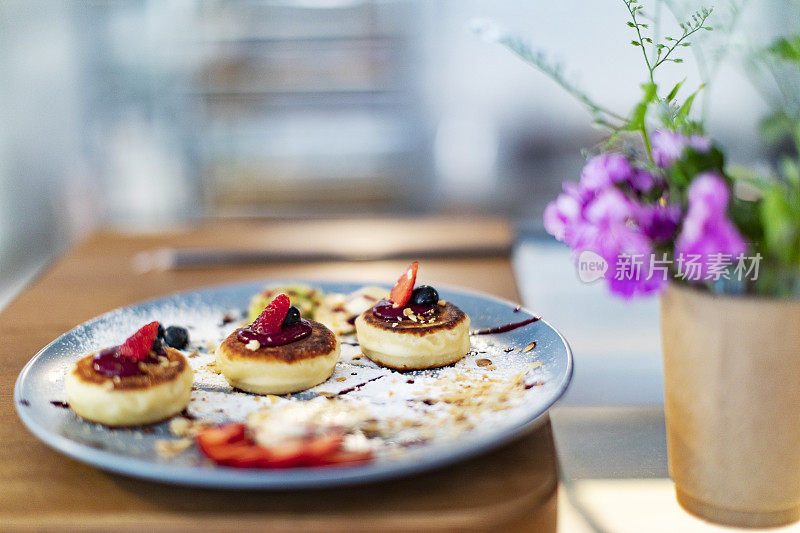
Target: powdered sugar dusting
column 498, row 386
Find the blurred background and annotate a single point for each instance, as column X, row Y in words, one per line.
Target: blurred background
column 146, row 114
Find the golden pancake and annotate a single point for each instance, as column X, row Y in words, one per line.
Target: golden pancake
column 292, row 367
column 418, row 342
column 159, row 392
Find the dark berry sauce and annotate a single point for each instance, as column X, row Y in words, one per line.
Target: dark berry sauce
column 504, row 327
column 109, row 362
column 386, row 309
column 358, row 387
column 287, row 334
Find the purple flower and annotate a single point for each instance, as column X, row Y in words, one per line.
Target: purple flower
column 659, row 222
column 563, row 211
column 610, row 205
column 642, row 181
column 609, row 210
column 628, row 253
column 632, row 276
column 606, row 170
column 708, row 193
column 607, row 228
column 667, row 146
column 603, row 171
column 706, row 230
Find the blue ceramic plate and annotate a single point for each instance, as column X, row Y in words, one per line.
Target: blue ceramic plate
column 547, row 368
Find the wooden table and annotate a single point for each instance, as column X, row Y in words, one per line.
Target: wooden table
column 512, row 488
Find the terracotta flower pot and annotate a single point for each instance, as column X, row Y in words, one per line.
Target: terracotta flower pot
column 732, row 401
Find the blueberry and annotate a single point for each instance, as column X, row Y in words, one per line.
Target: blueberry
column 157, row 345
column 424, row 296
column 176, row 337
column 292, row 317
column 160, row 331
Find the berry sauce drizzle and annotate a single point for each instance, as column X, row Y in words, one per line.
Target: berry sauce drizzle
column 504, row 327
column 287, row 334
column 386, row 309
column 109, row 362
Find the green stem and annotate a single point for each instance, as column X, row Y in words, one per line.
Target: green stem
column 641, row 40
column 677, row 43
column 647, row 146
column 524, row 53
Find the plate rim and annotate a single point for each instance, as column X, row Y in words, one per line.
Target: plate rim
column 227, row 478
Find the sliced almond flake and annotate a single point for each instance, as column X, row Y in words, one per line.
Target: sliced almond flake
column 171, row 448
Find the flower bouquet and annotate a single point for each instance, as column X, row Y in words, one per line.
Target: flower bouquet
column 656, row 210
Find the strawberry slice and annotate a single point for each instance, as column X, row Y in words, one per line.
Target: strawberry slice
column 271, row 318
column 229, row 445
column 401, row 292
column 322, row 446
column 284, row 455
column 242, row 454
column 346, row 458
column 138, row 345
column 214, row 437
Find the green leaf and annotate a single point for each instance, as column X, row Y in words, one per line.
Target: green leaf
column 786, row 49
column 776, row 127
column 683, row 113
column 797, row 135
column 693, row 162
column 746, row 215
column 636, row 122
column 635, row 43
column 791, row 171
column 602, row 123
column 674, row 92
column 780, row 230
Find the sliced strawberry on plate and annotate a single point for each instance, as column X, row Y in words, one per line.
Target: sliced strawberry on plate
column 241, row 454
column 138, row 345
column 401, row 292
column 214, row 437
column 318, row 448
column 271, row 318
column 284, row 455
column 346, row 458
column 228, row 445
